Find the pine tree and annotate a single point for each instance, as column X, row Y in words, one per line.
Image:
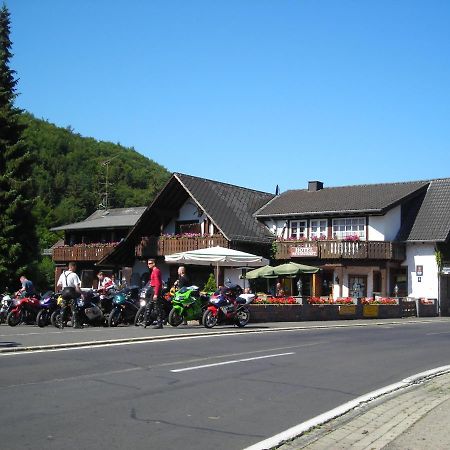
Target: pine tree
column 18, row 238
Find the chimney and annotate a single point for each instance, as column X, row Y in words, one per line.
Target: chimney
column 314, row 186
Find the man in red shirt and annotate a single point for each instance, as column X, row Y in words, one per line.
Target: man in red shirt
column 156, row 284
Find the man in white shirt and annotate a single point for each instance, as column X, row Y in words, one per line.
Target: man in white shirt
column 70, row 284
column 69, row 278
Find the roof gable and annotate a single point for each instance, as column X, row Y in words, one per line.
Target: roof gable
column 374, row 198
column 432, row 222
column 230, row 207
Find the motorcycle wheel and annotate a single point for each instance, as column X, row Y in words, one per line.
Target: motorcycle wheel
column 42, row 319
column 209, row 319
column 242, row 317
column 114, row 317
column 140, row 316
column 175, row 318
column 58, row 319
column 13, row 319
column 53, row 318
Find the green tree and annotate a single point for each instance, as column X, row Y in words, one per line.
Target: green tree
column 18, row 238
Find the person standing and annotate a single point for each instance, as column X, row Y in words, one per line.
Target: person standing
column 156, row 284
column 70, row 284
column 27, row 288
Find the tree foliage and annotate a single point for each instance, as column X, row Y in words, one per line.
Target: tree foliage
column 69, row 176
column 18, row 239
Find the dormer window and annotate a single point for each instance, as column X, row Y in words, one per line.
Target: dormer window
column 298, row 229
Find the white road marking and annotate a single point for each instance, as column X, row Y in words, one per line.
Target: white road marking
column 291, row 433
column 234, row 361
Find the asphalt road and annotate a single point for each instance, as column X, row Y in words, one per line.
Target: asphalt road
column 221, row 392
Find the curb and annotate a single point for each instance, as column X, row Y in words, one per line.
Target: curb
column 321, row 419
column 260, row 329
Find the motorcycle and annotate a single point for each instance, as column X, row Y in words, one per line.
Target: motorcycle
column 187, row 304
column 227, row 307
column 24, row 310
column 48, row 304
column 125, row 305
column 6, row 304
column 85, row 310
column 146, row 297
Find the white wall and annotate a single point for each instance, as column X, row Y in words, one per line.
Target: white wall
column 422, row 255
column 385, row 228
column 187, row 212
column 277, row 227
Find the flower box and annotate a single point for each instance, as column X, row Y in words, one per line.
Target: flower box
column 427, row 307
column 324, row 311
column 275, row 312
column 381, row 311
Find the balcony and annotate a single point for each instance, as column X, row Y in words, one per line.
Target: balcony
column 82, row 252
column 332, row 249
column 152, row 246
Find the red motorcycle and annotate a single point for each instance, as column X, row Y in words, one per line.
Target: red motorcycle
column 24, row 310
column 226, row 307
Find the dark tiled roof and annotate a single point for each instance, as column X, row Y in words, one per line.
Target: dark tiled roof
column 112, row 218
column 230, row 207
column 432, row 222
column 372, row 198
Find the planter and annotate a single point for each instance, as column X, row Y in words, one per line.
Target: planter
column 321, row 312
column 427, row 307
column 376, row 311
column 349, row 312
column 275, row 313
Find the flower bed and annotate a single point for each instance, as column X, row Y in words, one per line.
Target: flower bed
column 274, row 301
column 380, row 301
column 331, row 301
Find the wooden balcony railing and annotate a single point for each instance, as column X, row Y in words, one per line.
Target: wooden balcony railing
column 90, row 252
column 381, row 250
column 161, row 246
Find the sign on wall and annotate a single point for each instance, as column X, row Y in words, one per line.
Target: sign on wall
column 302, row 250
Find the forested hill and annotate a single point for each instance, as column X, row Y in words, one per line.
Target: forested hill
column 69, row 176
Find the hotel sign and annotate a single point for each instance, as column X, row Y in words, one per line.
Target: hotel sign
column 303, row 250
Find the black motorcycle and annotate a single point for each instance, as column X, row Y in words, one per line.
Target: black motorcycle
column 146, row 301
column 83, row 310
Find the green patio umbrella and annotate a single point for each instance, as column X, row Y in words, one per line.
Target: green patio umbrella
column 292, row 269
column 261, row 272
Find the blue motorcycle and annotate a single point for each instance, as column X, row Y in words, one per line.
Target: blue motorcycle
column 48, row 304
column 125, row 305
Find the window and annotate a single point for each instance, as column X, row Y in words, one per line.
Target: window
column 344, row 228
column 298, row 229
column 318, row 229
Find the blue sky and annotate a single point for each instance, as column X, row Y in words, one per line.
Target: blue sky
column 249, row 92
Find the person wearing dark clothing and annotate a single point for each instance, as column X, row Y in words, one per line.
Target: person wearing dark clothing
column 27, row 288
column 183, row 280
column 156, row 284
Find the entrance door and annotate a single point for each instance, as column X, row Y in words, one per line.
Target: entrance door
column 357, row 286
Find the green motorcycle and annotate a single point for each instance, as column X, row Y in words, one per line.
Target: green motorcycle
column 187, row 304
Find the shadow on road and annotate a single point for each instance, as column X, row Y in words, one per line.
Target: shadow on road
column 6, row 344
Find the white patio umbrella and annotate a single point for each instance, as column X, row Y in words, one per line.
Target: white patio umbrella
column 220, row 256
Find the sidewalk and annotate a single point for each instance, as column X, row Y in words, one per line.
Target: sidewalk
column 413, row 418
